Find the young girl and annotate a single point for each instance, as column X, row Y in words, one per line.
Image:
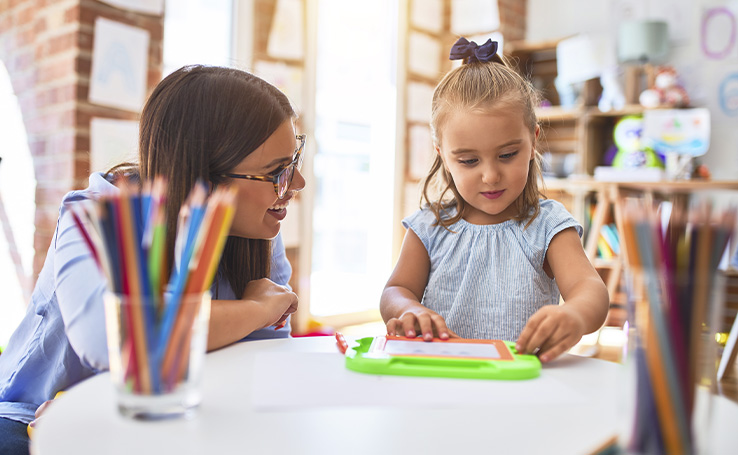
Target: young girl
column 488, row 258
column 218, row 125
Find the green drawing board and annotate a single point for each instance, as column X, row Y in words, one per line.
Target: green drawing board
column 453, row 358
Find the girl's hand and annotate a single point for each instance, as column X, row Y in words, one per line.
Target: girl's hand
column 274, row 302
column 420, row 320
column 550, row 332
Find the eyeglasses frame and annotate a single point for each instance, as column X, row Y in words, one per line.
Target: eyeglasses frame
column 296, row 163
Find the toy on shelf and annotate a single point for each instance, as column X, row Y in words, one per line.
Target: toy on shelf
column 612, row 94
column 666, row 92
column 678, row 134
column 631, row 153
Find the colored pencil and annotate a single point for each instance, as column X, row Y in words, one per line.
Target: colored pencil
column 126, row 235
column 672, row 263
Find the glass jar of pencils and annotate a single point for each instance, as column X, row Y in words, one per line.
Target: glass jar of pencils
column 675, row 300
column 156, row 351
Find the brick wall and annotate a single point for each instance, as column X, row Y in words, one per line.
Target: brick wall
column 46, row 47
column 512, row 18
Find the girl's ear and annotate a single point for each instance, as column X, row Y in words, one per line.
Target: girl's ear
column 535, row 142
column 439, row 154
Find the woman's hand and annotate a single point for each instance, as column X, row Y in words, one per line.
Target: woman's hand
column 40, row 410
column 550, row 332
column 274, row 303
column 420, row 320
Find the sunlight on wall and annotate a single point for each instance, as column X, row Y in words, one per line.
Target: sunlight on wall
column 197, row 31
column 354, row 166
column 17, row 206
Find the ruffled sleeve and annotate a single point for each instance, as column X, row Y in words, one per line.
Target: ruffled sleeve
column 422, row 223
column 552, row 219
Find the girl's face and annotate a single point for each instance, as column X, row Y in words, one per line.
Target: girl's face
column 488, row 155
column 258, row 209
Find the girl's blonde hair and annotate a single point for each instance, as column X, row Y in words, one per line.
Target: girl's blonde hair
column 481, row 86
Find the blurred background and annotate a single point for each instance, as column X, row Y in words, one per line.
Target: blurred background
column 74, row 75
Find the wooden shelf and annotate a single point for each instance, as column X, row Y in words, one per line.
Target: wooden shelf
column 528, row 47
column 558, row 113
column 630, row 109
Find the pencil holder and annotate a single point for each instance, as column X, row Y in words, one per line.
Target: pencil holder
column 156, row 352
column 671, row 359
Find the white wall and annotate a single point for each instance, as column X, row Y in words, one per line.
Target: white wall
column 701, row 75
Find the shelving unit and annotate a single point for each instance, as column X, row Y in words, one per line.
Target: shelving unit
column 586, row 132
column 583, row 129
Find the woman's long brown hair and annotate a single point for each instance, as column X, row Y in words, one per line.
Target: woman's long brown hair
column 200, row 122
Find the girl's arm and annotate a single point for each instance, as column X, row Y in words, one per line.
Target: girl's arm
column 400, row 303
column 556, row 328
column 264, row 303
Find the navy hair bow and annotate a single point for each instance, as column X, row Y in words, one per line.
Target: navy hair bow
column 464, row 49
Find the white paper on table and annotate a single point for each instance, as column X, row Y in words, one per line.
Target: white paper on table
column 474, row 16
column 427, row 15
column 419, row 102
column 326, row 382
column 112, row 142
column 119, row 65
column 155, row 7
column 285, row 35
column 424, row 55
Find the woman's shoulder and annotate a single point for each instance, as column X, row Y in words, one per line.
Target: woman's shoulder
column 99, row 185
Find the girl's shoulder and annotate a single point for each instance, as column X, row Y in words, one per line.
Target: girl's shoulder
column 425, row 225
column 551, row 208
column 552, row 218
column 426, row 218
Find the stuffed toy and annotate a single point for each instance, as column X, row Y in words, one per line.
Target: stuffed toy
column 666, row 91
column 631, row 154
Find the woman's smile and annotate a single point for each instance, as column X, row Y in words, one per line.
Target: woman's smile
column 279, row 210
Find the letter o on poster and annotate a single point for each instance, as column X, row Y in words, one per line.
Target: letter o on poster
column 718, row 32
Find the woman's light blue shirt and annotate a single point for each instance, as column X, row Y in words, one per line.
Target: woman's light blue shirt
column 487, row 280
column 61, row 340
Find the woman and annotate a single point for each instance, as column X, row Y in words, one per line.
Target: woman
column 218, row 125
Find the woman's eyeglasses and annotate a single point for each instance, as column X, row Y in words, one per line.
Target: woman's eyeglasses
column 282, row 177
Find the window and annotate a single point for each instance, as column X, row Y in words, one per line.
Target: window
column 197, row 31
column 354, row 164
column 17, row 211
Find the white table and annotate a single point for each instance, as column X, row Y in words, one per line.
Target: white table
column 230, row 419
